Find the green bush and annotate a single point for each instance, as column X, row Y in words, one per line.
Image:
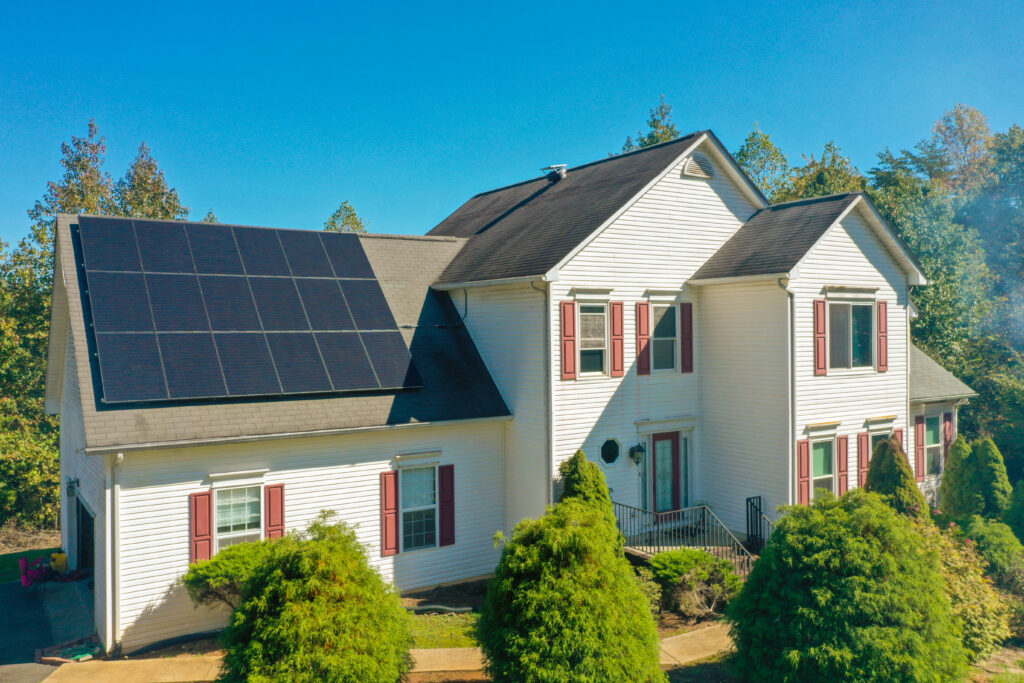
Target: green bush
column 650, row 588
column 1013, row 517
column 220, row 579
column 890, row 476
column 1001, row 549
column 958, row 496
column 693, row 582
column 846, row 590
column 981, row 613
column 29, row 479
column 564, row 605
column 316, row 611
column 992, row 482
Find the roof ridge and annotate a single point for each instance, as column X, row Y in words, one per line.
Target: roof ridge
column 812, row 200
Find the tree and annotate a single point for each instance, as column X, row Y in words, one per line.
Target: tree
column 962, row 137
column 764, row 162
column 144, row 192
column 1013, row 517
column 991, row 481
column 220, row 579
column 29, row 478
column 660, row 128
column 831, row 174
column 345, row 219
column 958, row 496
column 846, row 590
column 584, row 480
column 210, row 217
column 890, row 476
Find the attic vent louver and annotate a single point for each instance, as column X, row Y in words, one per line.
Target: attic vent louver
column 699, row 166
column 556, row 172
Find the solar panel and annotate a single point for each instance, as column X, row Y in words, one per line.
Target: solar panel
column 188, row 311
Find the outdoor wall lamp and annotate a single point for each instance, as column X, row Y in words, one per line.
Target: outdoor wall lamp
column 636, row 452
column 72, row 486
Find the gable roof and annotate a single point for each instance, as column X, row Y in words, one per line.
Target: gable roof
column 775, row 239
column 929, row 381
column 527, row 229
column 456, row 383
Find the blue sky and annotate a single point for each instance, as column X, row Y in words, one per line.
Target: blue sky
column 272, row 114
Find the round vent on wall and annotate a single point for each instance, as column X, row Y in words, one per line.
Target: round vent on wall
column 699, row 166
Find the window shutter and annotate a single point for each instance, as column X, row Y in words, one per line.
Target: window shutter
column 863, row 457
column 446, row 503
column 568, row 322
column 618, row 337
column 686, row 337
column 919, row 447
column 200, row 507
column 820, row 350
column 843, row 463
column 643, row 338
column 883, row 336
column 274, row 502
column 389, row 513
column 947, row 434
column 898, row 435
column 803, row 472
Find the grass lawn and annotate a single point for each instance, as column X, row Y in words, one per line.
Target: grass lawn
column 443, row 630
column 9, row 570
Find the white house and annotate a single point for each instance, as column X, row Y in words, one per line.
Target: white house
column 222, row 383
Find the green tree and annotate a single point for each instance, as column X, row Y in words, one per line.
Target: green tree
column 660, row 128
column 764, row 162
column 831, row 174
column 962, row 138
column 846, row 590
column 210, row 217
column 29, row 478
column 991, row 481
column 345, row 219
column 584, row 480
column 890, row 476
column 1013, row 517
column 958, row 495
column 219, row 580
column 144, row 193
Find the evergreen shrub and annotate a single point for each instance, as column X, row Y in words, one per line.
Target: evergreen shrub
column 958, row 495
column 220, row 579
column 890, row 476
column 1013, row 517
column 693, row 582
column 1001, row 549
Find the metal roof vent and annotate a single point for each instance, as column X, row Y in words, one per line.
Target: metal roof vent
column 698, row 166
column 555, row 172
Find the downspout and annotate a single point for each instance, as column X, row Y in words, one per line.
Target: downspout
column 548, row 389
column 108, row 573
column 783, row 283
column 116, row 550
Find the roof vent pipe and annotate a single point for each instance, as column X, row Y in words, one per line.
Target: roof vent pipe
column 556, row 172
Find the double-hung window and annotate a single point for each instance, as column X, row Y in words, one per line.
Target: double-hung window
column 418, row 487
column 933, row 444
column 850, row 335
column 238, row 515
column 663, row 339
column 593, row 339
column 822, row 468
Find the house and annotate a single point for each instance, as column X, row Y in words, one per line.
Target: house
column 221, row 383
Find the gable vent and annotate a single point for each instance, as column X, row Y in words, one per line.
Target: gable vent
column 699, row 166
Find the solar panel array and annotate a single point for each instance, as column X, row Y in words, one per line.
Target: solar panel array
column 183, row 311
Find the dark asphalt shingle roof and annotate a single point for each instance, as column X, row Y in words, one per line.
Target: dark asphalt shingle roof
column 527, row 228
column 931, row 381
column 774, row 239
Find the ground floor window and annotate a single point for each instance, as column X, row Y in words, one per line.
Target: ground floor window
column 933, row 444
column 822, row 470
column 238, row 515
column 418, row 487
column 878, row 438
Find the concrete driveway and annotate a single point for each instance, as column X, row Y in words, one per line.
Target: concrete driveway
column 36, row 619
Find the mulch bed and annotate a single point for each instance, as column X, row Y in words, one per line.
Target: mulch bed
column 672, row 624
column 202, row 646
column 469, row 594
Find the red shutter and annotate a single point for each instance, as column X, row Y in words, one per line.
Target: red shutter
column 200, row 507
column 898, row 435
column 686, row 337
column 274, row 501
column 947, row 434
column 446, row 502
column 919, row 447
column 803, row 472
column 843, row 464
column 618, row 337
column 643, row 338
column 820, row 350
column 389, row 513
column 568, row 339
column 883, row 336
column 863, row 457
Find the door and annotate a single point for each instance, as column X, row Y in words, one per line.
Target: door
column 85, row 536
column 668, row 470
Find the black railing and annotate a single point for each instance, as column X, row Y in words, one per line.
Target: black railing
column 759, row 527
column 697, row 527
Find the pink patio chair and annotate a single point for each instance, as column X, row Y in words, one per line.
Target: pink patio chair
column 32, row 573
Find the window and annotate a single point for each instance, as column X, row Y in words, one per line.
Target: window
column 850, row 331
column 933, row 444
column 610, row 451
column 418, row 487
column 877, row 438
column 822, row 471
column 593, row 338
column 238, row 515
column 663, row 341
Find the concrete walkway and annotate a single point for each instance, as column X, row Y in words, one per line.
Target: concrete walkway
column 675, row 651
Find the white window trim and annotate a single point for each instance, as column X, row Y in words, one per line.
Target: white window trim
column 830, row 439
column 678, row 336
column 854, row 299
column 237, row 484
column 605, row 372
column 402, row 509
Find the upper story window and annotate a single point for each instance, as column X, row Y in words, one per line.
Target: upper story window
column 419, row 507
column 850, row 334
column 593, row 339
column 663, row 339
column 933, row 444
column 238, row 516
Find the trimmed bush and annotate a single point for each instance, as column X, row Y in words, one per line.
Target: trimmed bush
column 564, row 605
column 650, row 588
column 693, row 582
column 584, row 480
column 958, row 496
column 846, row 590
column 220, row 579
column 975, row 481
column 1001, row 549
column 981, row 613
column 1013, row 517
column 316, row 611
column 890, row 476
column 990, row 475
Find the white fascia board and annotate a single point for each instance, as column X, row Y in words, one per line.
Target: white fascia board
column 739, row 279
column 57, row 343
column 448, row 286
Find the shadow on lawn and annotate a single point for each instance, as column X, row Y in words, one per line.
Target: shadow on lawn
column 712, row 670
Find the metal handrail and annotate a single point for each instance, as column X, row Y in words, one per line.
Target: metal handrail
column 696, row 527
column 759, row 525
